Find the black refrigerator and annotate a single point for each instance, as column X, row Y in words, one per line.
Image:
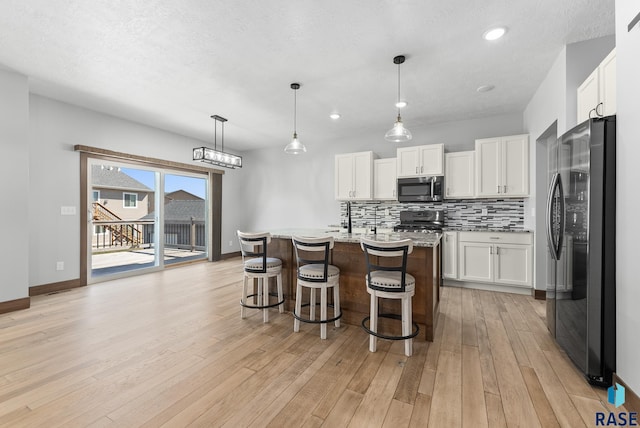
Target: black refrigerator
column 580, row 228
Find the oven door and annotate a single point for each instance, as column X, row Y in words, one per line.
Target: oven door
column 419, row 189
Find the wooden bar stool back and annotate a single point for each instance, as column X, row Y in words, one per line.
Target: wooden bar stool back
column 258, row 266
column 387, row 278
column 315, row 273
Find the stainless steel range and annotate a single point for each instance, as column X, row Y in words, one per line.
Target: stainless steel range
column 425, row 221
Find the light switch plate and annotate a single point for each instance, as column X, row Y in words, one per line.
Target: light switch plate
column 67, row 210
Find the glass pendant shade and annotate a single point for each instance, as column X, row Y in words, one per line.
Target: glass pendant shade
column 295, row 147
column 398, row 134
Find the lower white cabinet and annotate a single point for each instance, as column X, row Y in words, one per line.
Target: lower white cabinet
column 496, row 257
column 450, row 255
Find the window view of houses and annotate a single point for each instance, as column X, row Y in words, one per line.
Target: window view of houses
column 125, row 219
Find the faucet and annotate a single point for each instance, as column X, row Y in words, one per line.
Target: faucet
column 349, row 229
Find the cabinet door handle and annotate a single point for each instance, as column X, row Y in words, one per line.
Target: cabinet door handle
column 505, row 188
column 491, row 249
column 494, row 237
column 354, row 193
column 447, row 191
column 497, row 250
column 498, row 188
column 422, row 169
column 416, row 170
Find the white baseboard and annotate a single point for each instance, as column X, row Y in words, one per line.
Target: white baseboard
column 489, row 287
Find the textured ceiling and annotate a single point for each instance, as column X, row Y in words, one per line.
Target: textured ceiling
column 171, row 64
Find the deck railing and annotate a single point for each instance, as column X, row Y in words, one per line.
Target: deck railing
column 114, row 234
column 190, row 235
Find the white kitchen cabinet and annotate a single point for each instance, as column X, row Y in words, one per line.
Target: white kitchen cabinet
column 476, row 261
column 459, row 175
column 353, row 176
column 497, row 257
column 419, row 161
column 502, row 166
column 384, row 179
column 450, row 255
column 596, row 96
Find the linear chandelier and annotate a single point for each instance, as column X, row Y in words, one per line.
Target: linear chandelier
column 215, row 156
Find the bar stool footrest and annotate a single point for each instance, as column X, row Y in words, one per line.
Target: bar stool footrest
column 299, row 318
column 416, row 328
column 273, row 305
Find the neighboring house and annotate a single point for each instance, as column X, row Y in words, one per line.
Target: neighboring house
column 117, row 196
column 184, row 225
column 177, row 195
column 121, row 194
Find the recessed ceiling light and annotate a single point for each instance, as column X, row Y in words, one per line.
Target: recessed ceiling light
column 401, row 104
column 334, row 116
column 494, row 33
column 485, row 88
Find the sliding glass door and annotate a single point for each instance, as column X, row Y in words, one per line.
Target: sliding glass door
column 185, row 226
column 142, row 219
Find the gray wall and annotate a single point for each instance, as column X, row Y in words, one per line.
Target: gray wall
column 628, row 206
column 298, row 191
column 14, row 185
column 556, row 101
column 54, row 177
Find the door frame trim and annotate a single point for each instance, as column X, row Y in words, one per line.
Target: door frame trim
column 214, row 190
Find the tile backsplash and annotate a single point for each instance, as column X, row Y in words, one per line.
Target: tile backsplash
column 491, row 213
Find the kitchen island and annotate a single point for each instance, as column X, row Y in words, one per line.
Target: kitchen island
column 423, row 263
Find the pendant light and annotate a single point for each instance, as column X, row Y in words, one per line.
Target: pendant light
column 398, row 134
column 295, row 147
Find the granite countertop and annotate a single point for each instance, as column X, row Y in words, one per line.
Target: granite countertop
column 485, row 229
column 419, row 239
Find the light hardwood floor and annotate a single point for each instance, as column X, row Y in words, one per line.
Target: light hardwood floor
column 170, row 349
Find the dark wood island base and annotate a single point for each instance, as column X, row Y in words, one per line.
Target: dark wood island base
column 423, row 264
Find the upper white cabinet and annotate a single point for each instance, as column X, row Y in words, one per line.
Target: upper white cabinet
column 384, row 179
column 502, row 166
column 459, row 175
column 353, row 176
column 597, row 94
column 418, row 161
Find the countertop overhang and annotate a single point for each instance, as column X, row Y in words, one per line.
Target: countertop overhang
column 485, row 229
column 419, row 239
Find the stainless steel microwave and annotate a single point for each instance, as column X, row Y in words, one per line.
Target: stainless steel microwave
column 421, row 189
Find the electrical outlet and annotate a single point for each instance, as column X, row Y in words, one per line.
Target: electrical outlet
column 484, row 211
column 363, row 212
column 386, row 211
column 59, row 265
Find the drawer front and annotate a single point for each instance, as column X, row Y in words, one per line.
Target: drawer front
column 497, row 237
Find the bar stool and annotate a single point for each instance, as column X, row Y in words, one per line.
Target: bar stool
column 315, row 272
column 258, row 265
column 389, row 282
